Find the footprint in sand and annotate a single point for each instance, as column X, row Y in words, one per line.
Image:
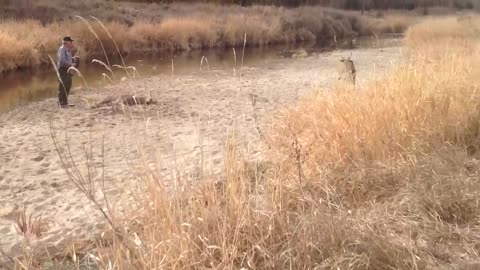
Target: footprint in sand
column 91, row 228
column 77, row 231
column 38, row 158
column 38, row 208
column 178, row 133
column 8, row 212
column 28, row 187
column 4, row 231
column 55, row 185
column 36, row 201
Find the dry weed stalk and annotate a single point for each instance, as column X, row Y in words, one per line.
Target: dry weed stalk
column 90, row 28
column 86, row 183
column 206, row 61
column 57, row 73
column 253, row 102
column 74, row 69
column 127, row 67
column 114, row 42
column 28, row 225
column 103, row 64
column 243, row 52
column 234, row 63
column 105, row 76
column 298, row 157
column 91, row 182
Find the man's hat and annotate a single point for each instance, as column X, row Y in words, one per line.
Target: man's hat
column 67, row 38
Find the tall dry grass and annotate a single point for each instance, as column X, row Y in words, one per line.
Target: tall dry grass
column 381, row 178
column 27, row 43
column 427, row 106
column 460, row 30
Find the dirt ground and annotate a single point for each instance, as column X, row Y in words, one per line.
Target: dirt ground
column 184, row 132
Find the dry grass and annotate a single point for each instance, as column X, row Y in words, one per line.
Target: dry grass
column 401, row 155
column 27, row 43
column 461, row 31
column 381, row 178
column 394, row 24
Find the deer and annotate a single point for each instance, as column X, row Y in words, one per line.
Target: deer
column 347, row 69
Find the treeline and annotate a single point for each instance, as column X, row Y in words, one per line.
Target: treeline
column 342, row 4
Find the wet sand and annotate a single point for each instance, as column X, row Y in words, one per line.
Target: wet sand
column 184, row 132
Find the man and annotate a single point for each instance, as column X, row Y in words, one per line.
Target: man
column 65, row 61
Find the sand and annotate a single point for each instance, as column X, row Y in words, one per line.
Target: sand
column 184, row 133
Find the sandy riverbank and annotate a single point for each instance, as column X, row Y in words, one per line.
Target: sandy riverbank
column 184, row 130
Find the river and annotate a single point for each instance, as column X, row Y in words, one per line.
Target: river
column 22, row 87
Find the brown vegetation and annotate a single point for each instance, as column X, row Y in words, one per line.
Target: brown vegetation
column 381, row 178
column 129, row 11
column 28, row 43
column 343, row 4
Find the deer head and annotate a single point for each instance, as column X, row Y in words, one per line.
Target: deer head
column 348, row 59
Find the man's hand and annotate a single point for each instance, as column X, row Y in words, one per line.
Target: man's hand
column 71, row 70
column 76, row 61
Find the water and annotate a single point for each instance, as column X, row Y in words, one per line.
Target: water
column 22, row 87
